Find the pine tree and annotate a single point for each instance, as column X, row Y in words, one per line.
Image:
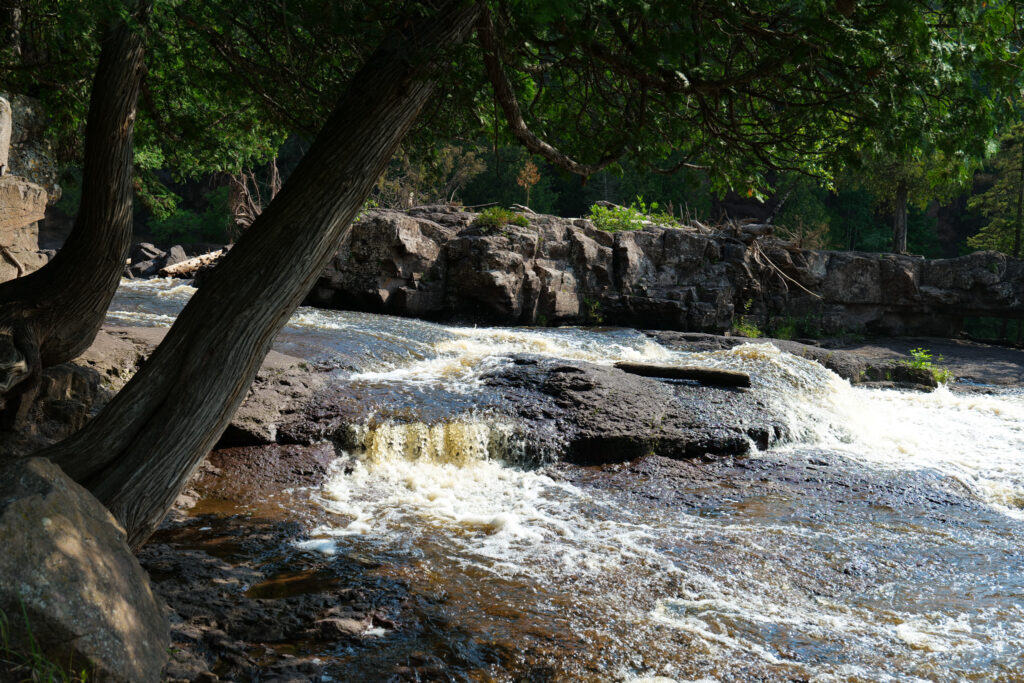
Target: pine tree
column 1003, row 203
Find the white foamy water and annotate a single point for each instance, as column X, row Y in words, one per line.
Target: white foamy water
column 774, row 577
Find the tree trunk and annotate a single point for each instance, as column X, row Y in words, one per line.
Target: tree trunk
column 140, row 451
column 54, row 313
column 1019, row 223
column 899, row 220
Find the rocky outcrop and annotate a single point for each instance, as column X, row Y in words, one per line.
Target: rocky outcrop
column 32, row 156
column 22, row 205
column 69, row 586
column 433, row 262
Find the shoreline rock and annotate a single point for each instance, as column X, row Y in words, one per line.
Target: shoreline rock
column 434, row 263
column 69, row 585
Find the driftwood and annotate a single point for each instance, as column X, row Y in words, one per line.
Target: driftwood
column 710, row 376
column 188, row 268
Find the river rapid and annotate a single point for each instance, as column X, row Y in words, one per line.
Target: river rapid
column 881, row 541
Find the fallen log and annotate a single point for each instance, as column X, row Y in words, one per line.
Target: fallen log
column 188, row 268
column 710, row 376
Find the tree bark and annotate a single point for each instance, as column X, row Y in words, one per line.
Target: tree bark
column 140, row 451
column 1019, row 222
column 54, row 313
column 899, row 221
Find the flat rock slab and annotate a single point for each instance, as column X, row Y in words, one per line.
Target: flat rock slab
column 594, row 414
column 711, row 376
column 68, row 582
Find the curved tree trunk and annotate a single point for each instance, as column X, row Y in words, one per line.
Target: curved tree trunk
column 140, row 451
column 54, row 313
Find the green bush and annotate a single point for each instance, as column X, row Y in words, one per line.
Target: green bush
column 496, row 217
column 632, row 217
column 616, row 218
column 922, row 359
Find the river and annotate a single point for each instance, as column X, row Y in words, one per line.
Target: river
column 880, row 542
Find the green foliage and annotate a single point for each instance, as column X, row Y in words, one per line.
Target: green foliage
column 632, row 217
column 1003, row 203
column 617, row 218
column 71, row 191
column 495, row 217
column 922, row 359
column 184, row 225
column 497, row 181
column 784, row 329
column 745, row 325
column 592, row 311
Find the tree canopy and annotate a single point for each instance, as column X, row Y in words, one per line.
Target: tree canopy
column 733, row 88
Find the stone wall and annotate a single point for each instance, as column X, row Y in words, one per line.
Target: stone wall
column 432, row 262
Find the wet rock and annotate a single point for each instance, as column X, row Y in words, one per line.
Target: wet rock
column 69, row 582
column 853, row 366
column 73, row 392
column 594, row 414
column 710, row 376
column 333, row 628
column 282, row 387
column 251, row 474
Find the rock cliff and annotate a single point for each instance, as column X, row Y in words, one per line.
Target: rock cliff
column 433, row 262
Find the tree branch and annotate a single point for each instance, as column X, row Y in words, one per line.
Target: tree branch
column 513, row 114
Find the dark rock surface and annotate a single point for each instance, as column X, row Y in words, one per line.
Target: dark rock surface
column 69, row 581
column 591, row 414
column 432, row 262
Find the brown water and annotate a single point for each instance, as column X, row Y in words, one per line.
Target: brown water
column 882, row 544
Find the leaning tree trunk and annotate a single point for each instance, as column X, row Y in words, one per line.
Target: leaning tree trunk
column 899, row 221
column 54, row 313
column 140, row 451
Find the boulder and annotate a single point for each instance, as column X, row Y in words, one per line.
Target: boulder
column 175, row 255
column 144, row 251
column 147, row 268
column 69, row 585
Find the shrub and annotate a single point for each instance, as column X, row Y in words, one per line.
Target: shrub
column 746, row 328
column 496, row 217
column 616, row 218
column 922, row 359
column 632, row 217
column 744, row 325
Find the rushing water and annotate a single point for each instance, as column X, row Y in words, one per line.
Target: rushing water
column 881, row 543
